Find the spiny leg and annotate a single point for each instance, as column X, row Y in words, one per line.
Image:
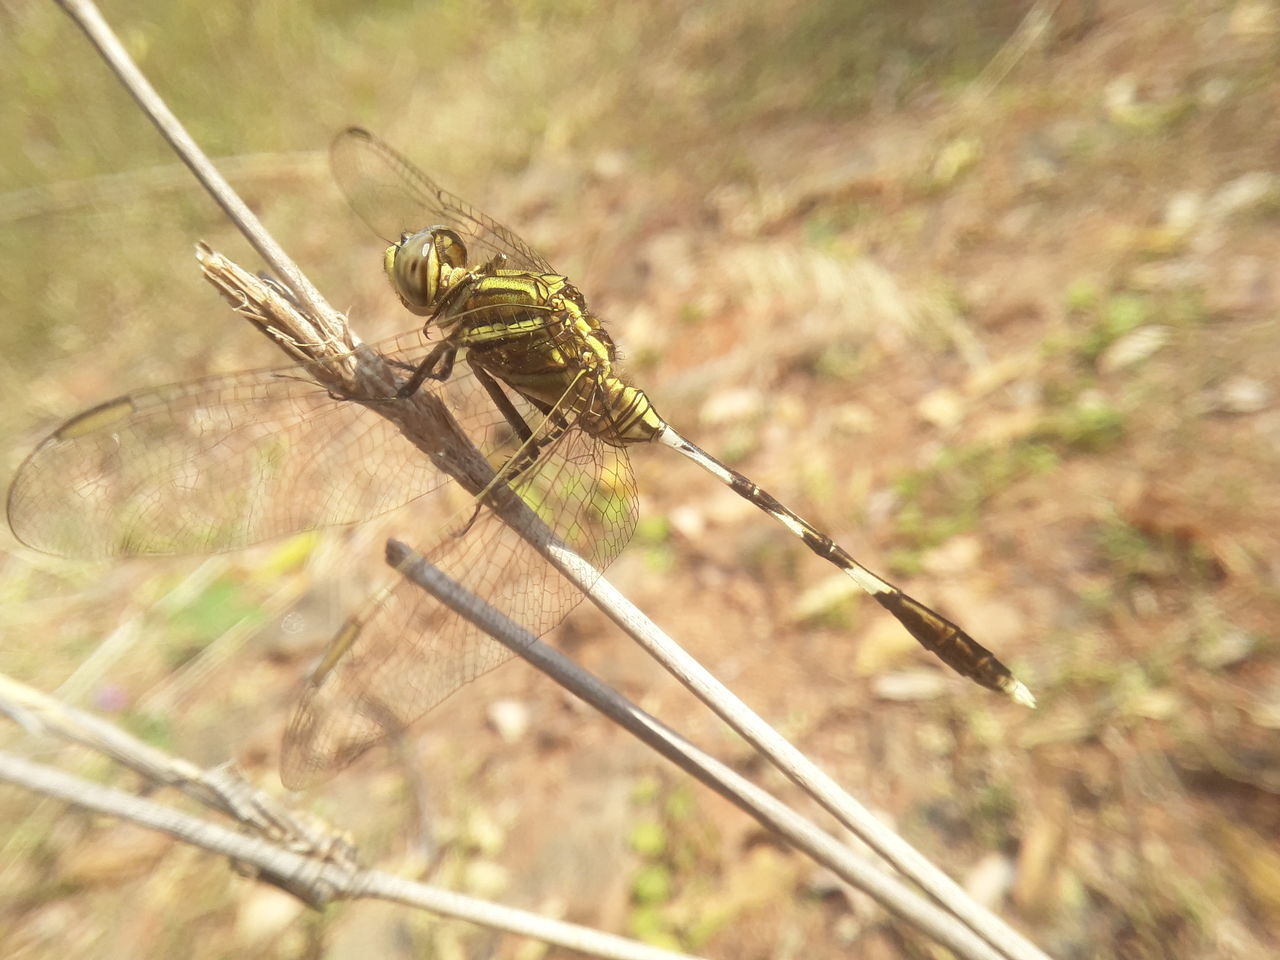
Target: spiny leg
column 514, row 420
column 503, row 403
column 436, row 365
column 554, row 425
column 533, row 443
column 934, row 632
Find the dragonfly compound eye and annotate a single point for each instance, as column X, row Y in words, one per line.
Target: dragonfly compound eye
column 417, row 263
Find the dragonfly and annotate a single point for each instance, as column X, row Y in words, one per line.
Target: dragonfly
column 528, row 373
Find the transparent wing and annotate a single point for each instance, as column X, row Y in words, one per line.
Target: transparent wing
column 220, row 463
column 409, row 652
column 394, row 197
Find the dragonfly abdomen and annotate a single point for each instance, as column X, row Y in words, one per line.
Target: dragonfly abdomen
column 620, row 414
column 933, row 631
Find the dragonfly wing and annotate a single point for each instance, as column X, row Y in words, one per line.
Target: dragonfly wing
column 394, row 197
column 406, row 652
column 220, row 463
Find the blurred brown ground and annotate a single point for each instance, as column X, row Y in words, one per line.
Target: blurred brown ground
column 1001, row 316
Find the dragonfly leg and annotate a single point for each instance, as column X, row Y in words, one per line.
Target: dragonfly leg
column 503, row 403
column 517, row 423
column 436, row 365
column 554, row 425
column 554, row 422
column 524, row 459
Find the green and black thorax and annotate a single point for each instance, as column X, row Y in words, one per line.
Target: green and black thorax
column 531, row 331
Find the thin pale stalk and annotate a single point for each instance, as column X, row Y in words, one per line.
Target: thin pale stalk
column 221, row 789
column 314, row 878
column 766, row 809
column 771, row 744
column 90, row 20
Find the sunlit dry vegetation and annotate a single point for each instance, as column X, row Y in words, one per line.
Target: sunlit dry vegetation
column 1002, row 316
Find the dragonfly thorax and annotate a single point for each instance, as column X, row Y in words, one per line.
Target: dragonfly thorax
column 423, row 265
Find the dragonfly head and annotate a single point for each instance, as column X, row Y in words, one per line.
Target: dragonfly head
column 421, row 265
